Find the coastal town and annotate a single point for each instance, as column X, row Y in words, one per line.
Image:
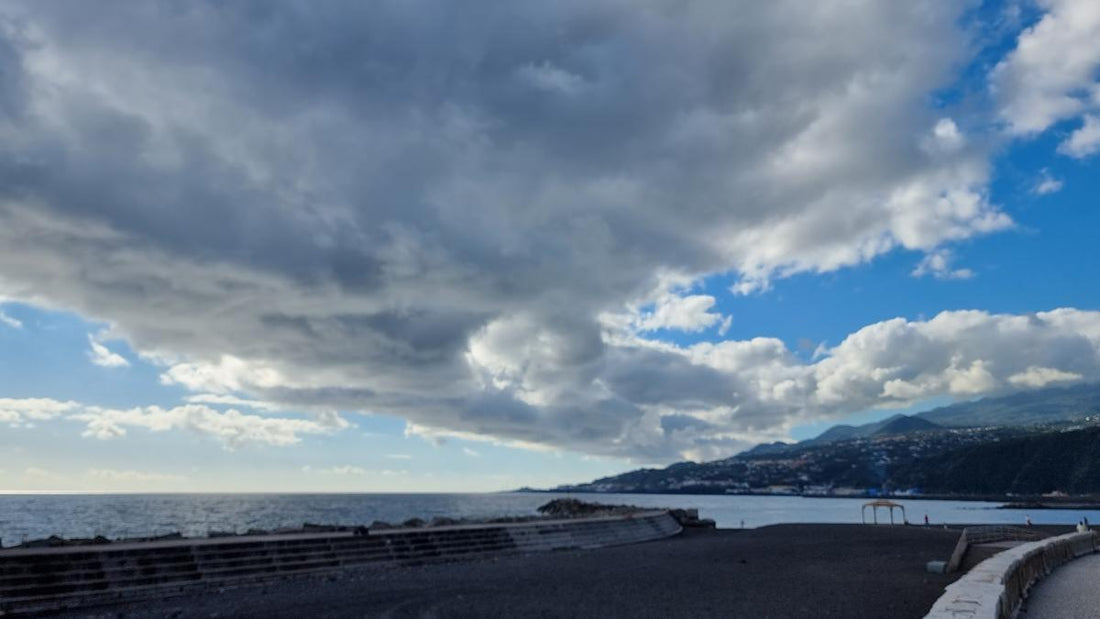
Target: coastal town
column 890, row 461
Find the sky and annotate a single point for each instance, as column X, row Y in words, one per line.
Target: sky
column 429, row 246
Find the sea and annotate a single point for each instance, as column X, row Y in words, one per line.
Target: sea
column 26, row 517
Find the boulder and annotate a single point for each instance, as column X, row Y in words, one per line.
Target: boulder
column 575, row 508
column 689, row 519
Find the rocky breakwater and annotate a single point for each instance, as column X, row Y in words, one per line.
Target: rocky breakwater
column 575, row 508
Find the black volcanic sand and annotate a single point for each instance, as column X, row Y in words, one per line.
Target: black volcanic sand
column 777, row 571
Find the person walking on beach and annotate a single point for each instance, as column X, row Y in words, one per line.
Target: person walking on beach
column 926, row 520
column 1027, row 519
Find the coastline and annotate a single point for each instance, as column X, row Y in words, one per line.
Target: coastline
column 638, row 556
column 143, row 516
column 786, row 570
column 1088, row 502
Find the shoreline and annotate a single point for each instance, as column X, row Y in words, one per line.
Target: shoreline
column 1009, row 501
column 559, row 510
column 779, row 570
column 788, row 570
column 199, row 517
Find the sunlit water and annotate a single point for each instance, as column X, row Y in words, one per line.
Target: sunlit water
column 24, row 517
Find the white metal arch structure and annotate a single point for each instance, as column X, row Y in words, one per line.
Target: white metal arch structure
column 874, row 505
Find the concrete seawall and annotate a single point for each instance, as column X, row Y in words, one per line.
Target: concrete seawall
column 995, row 588
column 54, row 578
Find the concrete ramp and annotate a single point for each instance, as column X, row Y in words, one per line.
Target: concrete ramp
column 980, row 552
column 36, row 580
column 984, row 542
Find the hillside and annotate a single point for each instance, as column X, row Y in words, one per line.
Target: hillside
column 898, row 424
column 1056, row 461
column 1049, row 405
column 1026, row 443
column 943, row 461
column 1039, row 407
column 901, row 424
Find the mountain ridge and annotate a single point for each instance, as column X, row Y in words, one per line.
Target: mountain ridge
column 1051, row 404
column 899, row 451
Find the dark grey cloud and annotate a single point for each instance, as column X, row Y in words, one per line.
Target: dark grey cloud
column 437, row 210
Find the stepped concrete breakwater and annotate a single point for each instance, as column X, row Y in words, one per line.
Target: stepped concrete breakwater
column 42, row 579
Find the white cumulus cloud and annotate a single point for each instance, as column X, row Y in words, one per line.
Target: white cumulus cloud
column 938, row 265
column 1037, row 376
column 102, row 356
column 690, row 313
column 947, row 136
column 1051, row 75
column 1047, row 183
column 9, row 321
column 1085, row 140
column 233, row 428
column 23, row 411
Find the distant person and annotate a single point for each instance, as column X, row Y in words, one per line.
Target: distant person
column 1086, row 521
column 926, row 520
column 1027, row 520
column 1081, row 526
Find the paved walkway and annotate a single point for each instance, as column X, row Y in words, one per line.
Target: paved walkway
column 1070, row 592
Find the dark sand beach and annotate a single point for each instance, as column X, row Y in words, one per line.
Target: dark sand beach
column 777, row 571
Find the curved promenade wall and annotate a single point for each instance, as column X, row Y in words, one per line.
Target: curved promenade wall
column 33, row 580
column 995, row 588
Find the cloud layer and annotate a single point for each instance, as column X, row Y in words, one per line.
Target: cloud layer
column 24, row 411
column 438, row 210
column 231, row 427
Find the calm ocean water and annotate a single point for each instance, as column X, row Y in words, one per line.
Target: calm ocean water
column 24, row 517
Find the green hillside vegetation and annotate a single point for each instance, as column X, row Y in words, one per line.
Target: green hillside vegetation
column 1037, row 464
column 900, row 424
